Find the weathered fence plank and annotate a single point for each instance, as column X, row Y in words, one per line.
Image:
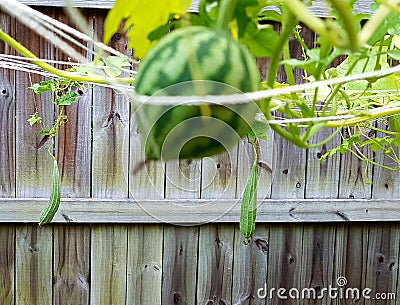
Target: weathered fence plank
column 216, row 245
column 71, row 265
column 382, row 262
column 33, row 166
column 180, row 265
column 350, row 265
column 73, row 143
column 284, row 269
column 108, row 264
column 7, row 138
column 216, row 242
column 144, row 265
column 183, row 180
column 318, row 255
column 33, row 265
column 7, row 117
column 110, row 130
column 7, row 260
column 250, row 266
column 145, row 243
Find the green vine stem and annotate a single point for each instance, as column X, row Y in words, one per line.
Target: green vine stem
column 300, row 11
column 61, row 73
column 225, row 14
column 345, row 12
column 288, row 24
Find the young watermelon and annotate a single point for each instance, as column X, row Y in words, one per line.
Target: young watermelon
column 194, row 61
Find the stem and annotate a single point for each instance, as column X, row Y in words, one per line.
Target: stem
column 287, row 28
column 345, row 12
column 225, row 14
column 363, row 118
column 326, row 140
column 314, row 23
column 61, row 73
column 288, row 70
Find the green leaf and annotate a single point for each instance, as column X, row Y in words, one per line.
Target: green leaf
column 67, row 99
column 396, row 140
column 391, row 25
column 45, row 132
column 141, row 19
column 45, row 86
column 248, row 211
column 261, row 42
column 395, row 54
column 34, row 118
column 270, row 15
column 259, row 130
column 114, row 65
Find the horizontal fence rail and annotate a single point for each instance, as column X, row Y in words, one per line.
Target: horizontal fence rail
column 199, row 211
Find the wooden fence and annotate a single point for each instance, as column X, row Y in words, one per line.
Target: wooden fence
column 116, row 240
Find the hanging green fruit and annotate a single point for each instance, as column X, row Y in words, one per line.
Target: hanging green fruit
column 194, row 61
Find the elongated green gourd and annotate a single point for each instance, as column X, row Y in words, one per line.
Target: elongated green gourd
column 248, row 209
column 48, row 212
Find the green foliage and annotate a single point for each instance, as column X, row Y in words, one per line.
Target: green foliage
column 141, row 19
column 243, row 23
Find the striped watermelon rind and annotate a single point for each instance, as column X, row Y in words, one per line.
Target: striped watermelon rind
column 176, row 66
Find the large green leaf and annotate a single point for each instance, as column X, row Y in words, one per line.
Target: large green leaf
column 141, row 18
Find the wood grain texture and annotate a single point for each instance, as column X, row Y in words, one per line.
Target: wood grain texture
column 355, row 176
column 33, row 163
column 385, row 182
column 7, row 116
column 215, row 269
column 382, row 262
column 250, row 266
column 71, row 265
column 108, row 264
column 285, row 257
column 180, row 265
column 322, row 177
column 7, row 137
column 74, row 138
column 350, row 264
column 145, row 243
column 317, row 260
column 180, row 211
column 144, row 265
column 110, row 131
column 183, row 180
column 7, row 264
column 216, row 242
column 33, row 262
